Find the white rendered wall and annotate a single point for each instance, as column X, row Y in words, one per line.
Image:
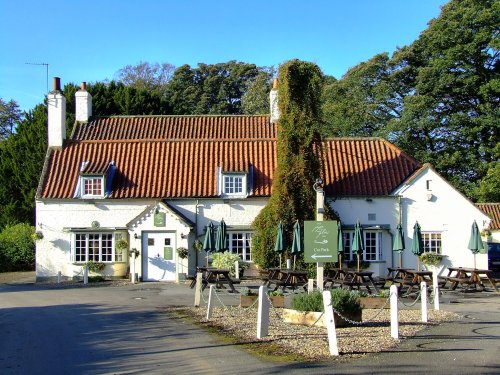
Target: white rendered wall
column 386, row 210
column 446, row 211
column 56, row 119
column 52, row 217
column 83, row 105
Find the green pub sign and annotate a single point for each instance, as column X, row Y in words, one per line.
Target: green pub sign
column 320, row 241
column 159, row 219
column 168, row 253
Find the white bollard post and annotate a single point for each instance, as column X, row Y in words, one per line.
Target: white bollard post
column 319, row 276
column 85, row 274
column 288, row 264
column 423, row 299
column 132, row 269
column 435, row 286
column 310, row 286
column 210, row 302
column 263, row 313
column 59, row 277
column 197, row 293
column 394, row 312
column 237, row 270
column 330, row 323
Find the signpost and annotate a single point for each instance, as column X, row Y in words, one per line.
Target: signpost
column 320, row 241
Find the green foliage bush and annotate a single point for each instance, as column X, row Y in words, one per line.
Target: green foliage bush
column 17, row 248
column 343, row 301
column 299, row 159
column 226, row 261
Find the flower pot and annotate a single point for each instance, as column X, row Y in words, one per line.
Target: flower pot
column 310, row 318
column 247, row 301
column 374, row 303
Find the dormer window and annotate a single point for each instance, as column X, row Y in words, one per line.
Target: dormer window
column 92, row 187
column 233, row 184
column 95, row 180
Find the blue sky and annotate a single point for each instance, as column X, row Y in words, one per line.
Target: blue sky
column 91, row 40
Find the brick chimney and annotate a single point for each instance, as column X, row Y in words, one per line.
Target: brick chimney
column 273, row 99
column 83, row 104
column 56, row 115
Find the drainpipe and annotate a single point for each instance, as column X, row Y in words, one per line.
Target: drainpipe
column 196, row 228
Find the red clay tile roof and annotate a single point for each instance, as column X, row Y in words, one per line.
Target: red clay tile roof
column 186, row 166
column 175, row 127
column 493, row 212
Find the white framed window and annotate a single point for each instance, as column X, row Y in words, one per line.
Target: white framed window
column 97, row 247
column 432, row 242
column 372, row 246
column 233, row 184
column 240, row 243
column 92, row 186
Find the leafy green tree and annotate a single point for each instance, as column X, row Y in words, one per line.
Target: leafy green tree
column 365, row 100
column 21, row 162
column 17, row 248
column 451, row 117
column 151, row 77
column 10, row 115
column 299, row 141
column 255, row 101
column 210, row 89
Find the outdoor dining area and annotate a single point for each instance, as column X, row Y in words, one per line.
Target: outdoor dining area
column 337, row 275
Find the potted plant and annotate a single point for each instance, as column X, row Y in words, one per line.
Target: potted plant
column 249, row 297
column 95, row 267
column 120, row 247
column 183, row 253
column 307, row 309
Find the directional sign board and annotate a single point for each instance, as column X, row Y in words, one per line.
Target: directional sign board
column 320, row 241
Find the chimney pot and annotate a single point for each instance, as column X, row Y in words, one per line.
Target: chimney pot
column 275, row 84
column 57, row 84
column 84, row 85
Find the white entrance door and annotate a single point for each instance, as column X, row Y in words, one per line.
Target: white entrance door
column 158, row 256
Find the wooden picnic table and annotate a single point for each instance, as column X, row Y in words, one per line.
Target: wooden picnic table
column 415, row 278
column 211, row 275
column 358, row 280
column 334, row 276
column 272, row 274
column 470, row 277
column 288, row 278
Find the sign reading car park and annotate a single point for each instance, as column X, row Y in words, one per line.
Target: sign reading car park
column 320, row 241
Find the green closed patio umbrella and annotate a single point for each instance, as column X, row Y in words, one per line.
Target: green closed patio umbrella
column 296, row 244
column 357, row 242
column 340, row 244
column 399, row 243
column 280, row 245
column 208, row 243
column 221, row 238
column 475, row 241
column 417, row 245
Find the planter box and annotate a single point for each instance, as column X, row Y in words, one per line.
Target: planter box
column 310, row 318
column 247, row 301
column 374, row 303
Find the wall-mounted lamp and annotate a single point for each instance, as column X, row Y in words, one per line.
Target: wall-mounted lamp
column 318, row 185
column 369, row 200
column 136, row 236
column 183, row 236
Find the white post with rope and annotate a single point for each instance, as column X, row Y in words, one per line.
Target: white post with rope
column 197, row 293
column 236, row 270
column 263, row 313
column 86, row 274
column 330, row 323
column 394, row 312
column 435, row 286
column 423, row 299
column 310, row 286
column 210, row 302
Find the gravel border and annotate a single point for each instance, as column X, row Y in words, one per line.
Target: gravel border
column 311, row 343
